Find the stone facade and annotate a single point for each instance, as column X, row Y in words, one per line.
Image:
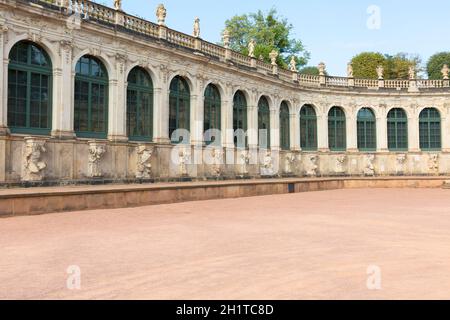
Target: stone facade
column 68, row 30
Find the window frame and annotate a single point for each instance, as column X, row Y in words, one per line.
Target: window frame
column 308, row 124
column 334, row 121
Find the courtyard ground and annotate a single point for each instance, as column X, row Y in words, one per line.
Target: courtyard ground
column 316, row 245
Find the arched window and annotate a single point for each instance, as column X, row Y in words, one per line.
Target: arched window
column 397, row 126
column 367, row 133
column 430, row 129
column 211, row 123
column 263, row 123
column 91, row 98
column 337, row 138
column 139, row 105
column 179, row 113
column 308, row 128
column 29, row 89
column 240, row 119
column 285, row 139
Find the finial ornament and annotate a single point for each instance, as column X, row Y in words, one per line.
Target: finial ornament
column 412, row 72
column 273, row 57
column 118, row 5
column 380, row 72
column 196, row 32
column 161, row 14
column 322, row 68
column 293, row 64
column 226, row 38
column 445, row 71
column 251, row 48
column 349, row 70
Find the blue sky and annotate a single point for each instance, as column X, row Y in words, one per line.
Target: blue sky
column 332, row 30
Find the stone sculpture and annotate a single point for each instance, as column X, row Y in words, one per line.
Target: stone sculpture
column 161, row 14
column 33, row 166
column 96, row 152
column 311, row 165
column 144, row 166
column 369, row 169
column 251, row 48
column 196, row 32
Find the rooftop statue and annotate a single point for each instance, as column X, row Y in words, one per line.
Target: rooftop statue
column 196, row 33
column 293, row 64
column 161, row 14
column 251, row 48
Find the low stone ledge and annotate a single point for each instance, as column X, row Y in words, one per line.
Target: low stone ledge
column 15, row 202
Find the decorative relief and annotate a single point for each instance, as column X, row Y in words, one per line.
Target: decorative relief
column 311, row 165
column 369, row 169
column 33, row 166
column 289, row 160
column 183, row 160
column 340, row 164
column 144, row 166
column 96, row 152
column 66, row 50
column 216, row 156
column 245, row 160
column 400, row 163
column 433, row 163
column 267, row 165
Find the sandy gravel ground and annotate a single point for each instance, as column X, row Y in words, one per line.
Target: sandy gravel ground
column 315, row 245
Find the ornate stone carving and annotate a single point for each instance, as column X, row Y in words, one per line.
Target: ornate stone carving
column 445, row 71
column 311, row 165
column 412, row 72
column 66, row 50
column 251, row 48
column 96, row 152
column 369, row 168
column 340, row 164
column 273, row 57
column 267, row 165
column 196, row 32
column 289, row 160
column 144, row 166
column 183, row 160
column 216, row 156
column 293, row 64
column 322, row 68
column 226, row 38
column 380, row 72
column 161, row 14
column 433, row 163
column 33, row 166
column 400, row 163
column 118, row 5
column 349, row 70
column 245, row 160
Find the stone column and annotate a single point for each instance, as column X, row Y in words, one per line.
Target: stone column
column 3, row 82
column 413, row 132
column 117, row 104
column 294, row 121
column 252, row 125
column 381, row 130
column 63, row 94
column 445, row 128
column 322, row 133
column 227, row 119
column 274, row 130
column 351, row 132
column 161, row 112
column 197, row 115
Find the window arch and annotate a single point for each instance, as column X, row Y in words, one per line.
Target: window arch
column 240, row 119
column 91, row 98
column 179, row 104
column 337, row 137
column 285, row 140
column 29, row 89
column 139, row 105
column 367, row 133
column 308, row 128
column 430, row 129
column 211, row 123
column 397, row 126
column 263, row 123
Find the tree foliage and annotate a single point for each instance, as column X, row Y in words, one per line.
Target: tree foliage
column 395, row 66
column 312, row 71
column 435, row 64
column 270, row 31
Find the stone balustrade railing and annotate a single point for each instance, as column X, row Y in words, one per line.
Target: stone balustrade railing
column 96, row 12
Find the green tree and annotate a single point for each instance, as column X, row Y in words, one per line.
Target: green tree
column 365, row 64
column 395, row 66
column 435, row 64
column 270, row 31
column 312, row 71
